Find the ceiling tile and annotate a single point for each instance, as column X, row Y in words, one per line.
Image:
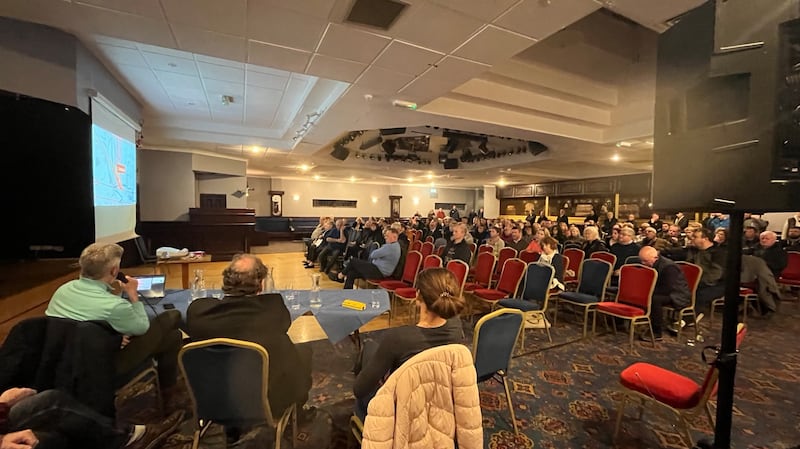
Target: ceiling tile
column 316, row 8
column 423, row 25
column 349, row 43
column 105, row 40
column 383, row 81
column 216, row 88
column 425, row 89
column 652, row 12
column 456, row 70
column 164, row 51
column 146, row 8
column 219, row 61
column 406, row 58
column 41, row 11
column 259, row 95
column 165, row 63
column 263, row 54
column 122, row 55
column 172, row 81
column 485, row 10
column 222, row 73
column 267, row 80
column 280, row 26
column 227, row 17
column 124, row 26
column 335, row 69
column 210, row 43
column 492, row 45
column 539, row 19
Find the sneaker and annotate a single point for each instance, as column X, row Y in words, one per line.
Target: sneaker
column 155, row 434
column 646, row 337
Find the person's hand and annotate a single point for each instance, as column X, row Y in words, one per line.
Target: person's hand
column 131, row 289
column 24, row 439
column 14, row 395
column 125, row 340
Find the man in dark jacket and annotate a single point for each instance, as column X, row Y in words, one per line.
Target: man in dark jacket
column 711, row 258
column 246, row 314
column 671, row 288
column 771, row 252
column 458, row 248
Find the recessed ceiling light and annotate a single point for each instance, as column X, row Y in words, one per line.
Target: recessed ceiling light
column 501, row 183
column 430, row 176
column 410, row 179
column 255, row 149
column 352, row 179
column 615, row 158
column 304, row 167
column 316, row 177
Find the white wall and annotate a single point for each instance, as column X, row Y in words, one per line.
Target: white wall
column 224, row 185
column 306, row 191
column 259, row 198
column 777, row 220
column 491, row 205
column 166, row 185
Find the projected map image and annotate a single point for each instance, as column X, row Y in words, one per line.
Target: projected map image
column 114, row 169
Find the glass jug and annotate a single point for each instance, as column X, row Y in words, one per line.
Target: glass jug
column 314, row 299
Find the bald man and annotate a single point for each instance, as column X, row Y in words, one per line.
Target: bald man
column 771, row 252
column 671, row 288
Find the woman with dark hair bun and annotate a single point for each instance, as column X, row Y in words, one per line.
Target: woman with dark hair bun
column 439, row 324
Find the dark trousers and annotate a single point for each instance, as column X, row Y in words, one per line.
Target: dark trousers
column 162, row 341
column 59, row 421
column 657, row 312
column 327, row 258
column 360, row 269
column 706, row 294
column 370, row 347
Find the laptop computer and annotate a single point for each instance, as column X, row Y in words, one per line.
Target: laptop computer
column 151, row 286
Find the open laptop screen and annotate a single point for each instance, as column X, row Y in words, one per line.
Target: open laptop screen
column 151, row 286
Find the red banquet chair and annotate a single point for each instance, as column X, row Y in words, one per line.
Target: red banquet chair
column 408, row 279
column 636, row 285
column 692, row 273
column 482, row 276
column 416, row 246
column 426, row 249
column 605, row 255
column 790, row 276
column 409, row 294
column 431, row 261
column 648, row 384
column 485, row 248
column 507, row 284
column 429, row 239
column 505, row 254
column 576, row 257
column 529, row 256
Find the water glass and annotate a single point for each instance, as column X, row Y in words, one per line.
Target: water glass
column 376, row 304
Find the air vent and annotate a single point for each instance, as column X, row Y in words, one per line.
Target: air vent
column 376, row 13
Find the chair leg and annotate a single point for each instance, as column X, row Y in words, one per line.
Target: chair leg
column 294, row 426
column 196, row 439
column 687, row 431
column 652, row 335
column 620, row 413
column 555, row 313
column 630, row 332
column 510, row 404
column 546, row 327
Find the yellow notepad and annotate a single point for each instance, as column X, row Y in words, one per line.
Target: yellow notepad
column 353, row 304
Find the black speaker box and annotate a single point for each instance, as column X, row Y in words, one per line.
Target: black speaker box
column 340, row 152
column 451, row 164
column 718, row 140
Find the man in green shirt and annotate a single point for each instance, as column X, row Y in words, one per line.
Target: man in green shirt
column 96, row 296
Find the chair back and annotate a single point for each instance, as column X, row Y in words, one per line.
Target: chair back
column 633, row 259
column 538, row 277
column 792, row 270
column 564, row 265
column 411, row 268
column 416, row 246
column 432, row 261
column 227, row 380
column 505, row 254
column 429, row 239
column 484, row 268
column 692, row 273
column 426, row 249
column 418, row 234
column 460, row 269
column 576, row 257
column 636, row 285
column 605, row 255
column 511, row 276
column 529, row 256
column 473, row 247
column 485, row 248
column 493, row 343
column 440, row 250
column 145, row 255
column 372, row 247
column 595, row 274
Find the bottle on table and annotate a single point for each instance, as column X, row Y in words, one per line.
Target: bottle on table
column 269, row 283
column 314, row 299
column 198, row 285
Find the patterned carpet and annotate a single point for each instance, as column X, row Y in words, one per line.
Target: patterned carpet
column 565, row 396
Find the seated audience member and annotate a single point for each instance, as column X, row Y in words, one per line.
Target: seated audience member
column 247, row 314
column 642, row 233
column 750, row 240
column 771, row 252
column 671, row 288
column 721, row 237
column 609, row 223
column 632, row 219
column 550, row 256
column 655, row 221
column 316, row 233
column 613, row 237
column 495, row 241
column 439, row 324
column 592, row 243
column 517, row 242
column 674, row 239
column 711, row 259
column 381, row 263
column 457, row 247
column 318, row 244
column 96, row 296
column 718, row 220
column 575, row 239
column 756, row 222
column 651, row 239
column 663, row 233
column 535, row 244
column 790, row 223
column 561, row 232
column 529, row 232
column 54, row 419
column 624, row 248
column 336, row 243
column 562, row 217
column 791, row 242
column 480, row 233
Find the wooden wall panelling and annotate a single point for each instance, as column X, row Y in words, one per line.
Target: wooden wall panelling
column 569, row 188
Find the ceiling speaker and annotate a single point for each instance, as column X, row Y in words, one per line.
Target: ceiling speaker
column 340, row 152
column 536, row 148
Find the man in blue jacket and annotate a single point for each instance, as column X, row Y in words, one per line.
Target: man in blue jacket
column 381, row 263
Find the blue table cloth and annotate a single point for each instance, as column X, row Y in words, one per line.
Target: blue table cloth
column 338, row 322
